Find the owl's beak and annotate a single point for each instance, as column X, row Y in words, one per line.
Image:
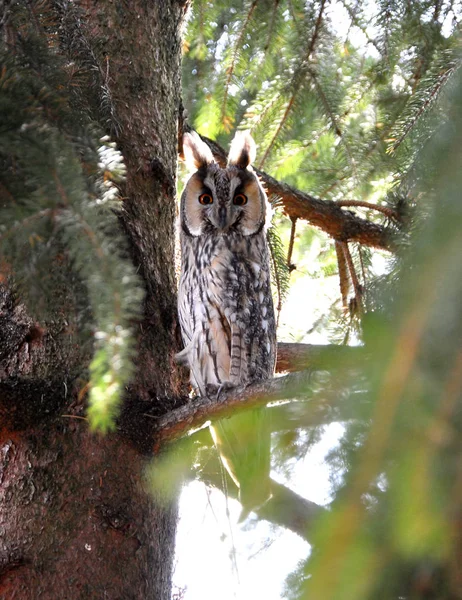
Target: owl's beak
column 223, row 220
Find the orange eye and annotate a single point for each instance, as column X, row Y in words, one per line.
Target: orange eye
column 240, row 200
column 205, row 199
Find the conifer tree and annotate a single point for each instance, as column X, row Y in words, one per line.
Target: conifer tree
column 356, row 108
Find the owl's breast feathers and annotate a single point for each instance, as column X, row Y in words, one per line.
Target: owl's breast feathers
column 226, row 309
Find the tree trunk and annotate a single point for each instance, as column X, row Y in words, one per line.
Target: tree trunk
column 76, row 520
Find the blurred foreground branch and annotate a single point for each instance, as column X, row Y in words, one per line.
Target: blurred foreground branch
column 291, row 511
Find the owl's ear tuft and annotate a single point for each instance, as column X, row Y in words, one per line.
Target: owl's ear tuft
column 242, row 151
column 196, row 152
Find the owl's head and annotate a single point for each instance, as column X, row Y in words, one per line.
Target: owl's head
column 222, row 201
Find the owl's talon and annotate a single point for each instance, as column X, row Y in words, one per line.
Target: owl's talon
column 224, row 387
column 211, row 390
column 214, row 391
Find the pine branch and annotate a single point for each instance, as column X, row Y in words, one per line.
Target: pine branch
column 295, row 84
column 282, row 122
column 389, row 212
column 291, row 243
column 197, row 413
column 343, row 274
column 230, row 70
column 280, row 272
column 328, row 216
column 373, row 148
column 363, row 268
column 355, row 21
column 326, row 104
column 293, row 357
column 317, row 28
column 266, row 102
column 291, row 511
column 333, row 120
column 60, row 206
column 422, row 110
column 46, row 212
column 354, row 277
column 305, row 415
column 444, row 66
column 285, row 508
column 21, row 371
column 272, row 24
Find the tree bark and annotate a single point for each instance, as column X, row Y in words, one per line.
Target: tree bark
column 75, row 518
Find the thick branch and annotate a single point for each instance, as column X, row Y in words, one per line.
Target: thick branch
column 342, row 225
column 195, row 414
column 386, row 210
column 289, row 510
column 295, row 386
column 295, row 357
column 327, row 215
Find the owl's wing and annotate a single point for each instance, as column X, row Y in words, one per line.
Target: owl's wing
column 185, row 357
column 238, row 369
column 207, row 337
column 190, row 357
column 184, row 313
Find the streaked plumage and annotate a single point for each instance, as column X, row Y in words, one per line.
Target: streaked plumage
column 225, row 304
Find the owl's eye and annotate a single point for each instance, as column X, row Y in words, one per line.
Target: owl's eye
column 205, row 199
column 240, row 200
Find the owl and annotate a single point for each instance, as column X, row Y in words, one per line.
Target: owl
column 225, row 305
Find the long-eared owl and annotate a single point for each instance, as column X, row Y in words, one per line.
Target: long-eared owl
column 225, row 303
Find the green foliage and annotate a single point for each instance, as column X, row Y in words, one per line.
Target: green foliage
column 321, row 107
column 390, row 531
column 418, row 120
column 280, row 273
column 58, row 185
